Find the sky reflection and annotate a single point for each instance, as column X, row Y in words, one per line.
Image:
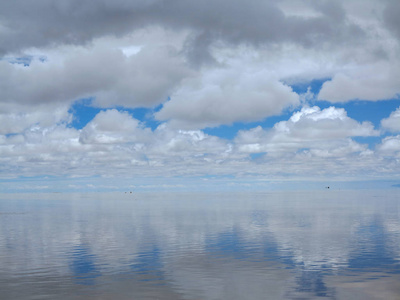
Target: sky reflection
column 208, row 246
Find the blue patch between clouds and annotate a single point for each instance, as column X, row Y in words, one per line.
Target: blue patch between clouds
column 372, row 111
column 83, row 112
column 144, row 115
column 370, row 140
column 314, row 85
column 254, row 156
column 359, row 110
column 24, row 60
column 303, row 150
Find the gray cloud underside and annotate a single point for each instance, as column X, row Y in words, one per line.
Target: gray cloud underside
column 47, row 23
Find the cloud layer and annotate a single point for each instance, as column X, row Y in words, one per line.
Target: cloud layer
column 192, row 66
column 311, row 142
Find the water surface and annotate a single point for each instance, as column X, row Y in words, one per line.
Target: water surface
column 281, row 245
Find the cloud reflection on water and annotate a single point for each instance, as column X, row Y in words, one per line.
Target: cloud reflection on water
column 208, row 246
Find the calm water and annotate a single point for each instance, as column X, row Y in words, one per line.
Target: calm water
column 305, row 245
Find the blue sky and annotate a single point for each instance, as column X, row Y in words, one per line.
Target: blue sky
column 138, row 96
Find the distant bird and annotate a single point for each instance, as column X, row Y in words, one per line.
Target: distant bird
column 327, row 187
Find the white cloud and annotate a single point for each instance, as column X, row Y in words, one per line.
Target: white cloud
column 16, row 118
column 146, row 79
column 105, row 73
column 378, row 82
column 310, row 128
column 392, row 123
column 112, row 144
column 111, row 127
column 226, row 96
column 189, row 145
column 390, row 146
column 329, row 123
column 313, row 143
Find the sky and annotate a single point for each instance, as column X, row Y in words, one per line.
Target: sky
column 181, row 94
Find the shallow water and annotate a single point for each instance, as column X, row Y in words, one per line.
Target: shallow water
column 281, row 245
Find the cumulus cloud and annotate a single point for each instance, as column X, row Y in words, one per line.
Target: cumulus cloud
column 187, row 141
column 111, row 127
column 392, row 123
column 106, row 74
column 227, row 96
column 389, row 154
column 147, row 79
column 15, row 118
column 316, row 130
column 378, row 82
column 328, row 123
column 390, row 145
